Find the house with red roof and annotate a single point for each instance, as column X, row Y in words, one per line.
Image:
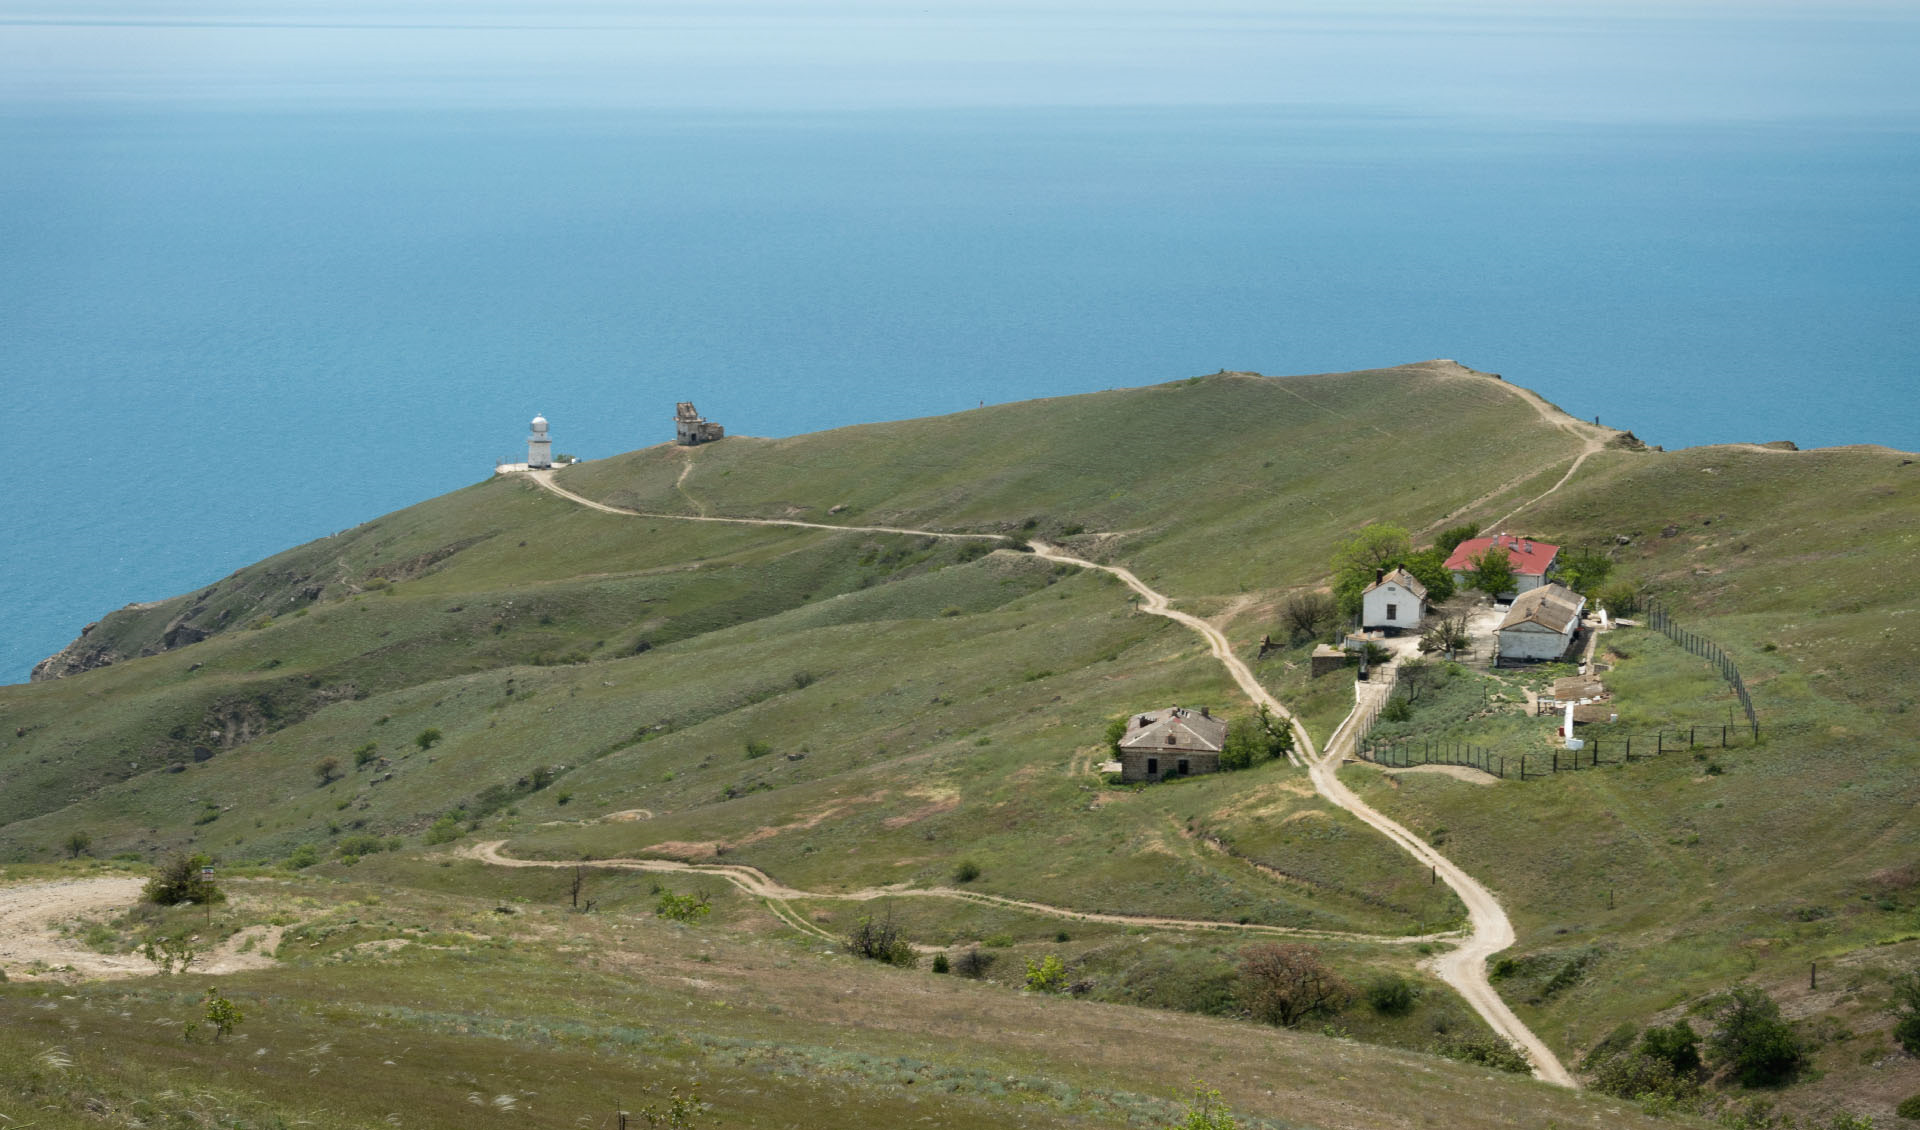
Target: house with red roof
column 1533, row 561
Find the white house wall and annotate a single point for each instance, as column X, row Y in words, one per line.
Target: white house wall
column 1533, row 643
column 1373, row 607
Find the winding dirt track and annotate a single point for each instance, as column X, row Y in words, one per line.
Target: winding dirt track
column 1465, row 968
column 760, row 885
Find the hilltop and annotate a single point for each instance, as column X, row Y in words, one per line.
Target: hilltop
column 849, row 710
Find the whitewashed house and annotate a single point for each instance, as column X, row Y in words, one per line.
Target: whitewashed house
column 1396, row 600
column 1541, row 624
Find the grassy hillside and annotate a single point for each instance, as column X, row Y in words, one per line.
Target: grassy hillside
column 854, row 710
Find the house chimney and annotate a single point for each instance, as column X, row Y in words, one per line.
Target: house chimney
column 1204, row 714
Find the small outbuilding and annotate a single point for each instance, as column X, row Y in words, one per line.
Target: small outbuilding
column 1396, row 600
column 1541, row 624
column 1175, row 742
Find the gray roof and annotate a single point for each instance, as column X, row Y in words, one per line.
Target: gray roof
column 1175, row 728
column 1554, row 607
column 1402, row 578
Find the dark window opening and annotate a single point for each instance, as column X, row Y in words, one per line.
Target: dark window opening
column 1153, row 766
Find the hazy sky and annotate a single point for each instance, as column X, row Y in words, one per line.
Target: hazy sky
column 1620, row 61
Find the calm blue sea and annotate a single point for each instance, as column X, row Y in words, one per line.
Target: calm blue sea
column 263, row 279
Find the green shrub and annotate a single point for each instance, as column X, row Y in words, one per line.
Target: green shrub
column 966, row 872
column 683, row 908
column 1909, row 1108
column 1487, row 1050
column 1677, row 1045
column 365, row 755
column 443, row 831
column 427, row 738
column 360, row 845
column 178, row 880
column 302, row 857
column 881, row 940
column 757, row 749
column 1391, row 994
column 940, row 964
column 1751, row 1040
column 1906, row 1012
column 1048, row 975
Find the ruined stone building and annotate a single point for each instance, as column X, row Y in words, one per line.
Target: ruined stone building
column 690, row 428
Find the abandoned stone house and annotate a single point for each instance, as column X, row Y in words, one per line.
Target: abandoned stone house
column 690, row 428
column 1175, row 742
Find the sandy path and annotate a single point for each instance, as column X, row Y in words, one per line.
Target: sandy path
column 31, row 914
column 760, row 885
column 680, row 484
column 1465, row 968
column 545, row 479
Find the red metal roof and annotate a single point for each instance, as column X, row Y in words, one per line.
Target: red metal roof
column 1530, row 558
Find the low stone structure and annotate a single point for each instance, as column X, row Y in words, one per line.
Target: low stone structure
column 1175, row 742
column 1327, row 659
column 690, row 428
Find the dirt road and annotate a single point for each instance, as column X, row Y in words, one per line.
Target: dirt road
column 1465, row 968
column 760, row 885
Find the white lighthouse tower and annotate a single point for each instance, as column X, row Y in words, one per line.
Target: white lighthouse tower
column 539, row 446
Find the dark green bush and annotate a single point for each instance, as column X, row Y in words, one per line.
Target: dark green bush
column 178, row 880
column 1909, row 1108
column 1391, row 994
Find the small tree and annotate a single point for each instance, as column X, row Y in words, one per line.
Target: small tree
column 426, row 738
column 77, row 843
column 1585, row 570
column 1390, row 994
column 170, row 954
column 1048, row 975
column 683, row 908
column 223, row 1015
column 365, row 755
column 325, row 770
column 1429, row 567
column 1361, row 558
column 881, row 941
column 1619, row 598
column 1446, row 636
column 1750, row 1039
column 1308, row 615
column 178, row 880
column 1492, row 572
column 1286, row 983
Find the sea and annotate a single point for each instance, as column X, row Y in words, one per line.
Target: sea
column 268, row 270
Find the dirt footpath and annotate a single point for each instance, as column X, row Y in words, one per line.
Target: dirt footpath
column 32, row 948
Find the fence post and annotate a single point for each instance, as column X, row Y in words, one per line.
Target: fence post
column 1660, row 742
column 1629, row 749
column 1723, row 737
column 1689, row 737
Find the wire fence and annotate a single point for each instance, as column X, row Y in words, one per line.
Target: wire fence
column 1600, row 747
column 1660, row 620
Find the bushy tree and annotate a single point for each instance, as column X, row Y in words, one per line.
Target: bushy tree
column 1492, row 572
column 77, row 843
column 326, row 770
column 881, row 940
column 1751, row 1040
column 1308, row 615
column 1116, row 730
column 1429, row 567
column 1255, row 741
column 1446, row 635
column 1585, row 570
column 178, row 880
column 427, row 738
column 1361, row 558
column 1285, row 983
